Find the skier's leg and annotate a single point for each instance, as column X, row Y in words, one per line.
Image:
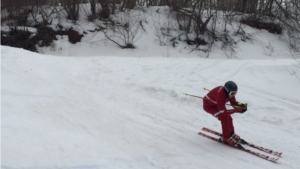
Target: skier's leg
column 228, row 130
column 226, row 122
column 209, row 108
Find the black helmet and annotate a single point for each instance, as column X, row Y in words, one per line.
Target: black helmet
column 229, row 87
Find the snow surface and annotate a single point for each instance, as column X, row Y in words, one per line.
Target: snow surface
column 125, row 112
column 111, row 108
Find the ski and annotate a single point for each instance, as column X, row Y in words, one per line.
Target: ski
column 269, row 151
column 240, row 147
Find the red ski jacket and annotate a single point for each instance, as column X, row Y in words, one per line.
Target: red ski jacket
column 217, row 97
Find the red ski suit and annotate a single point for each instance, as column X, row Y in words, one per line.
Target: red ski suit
column 214, row 103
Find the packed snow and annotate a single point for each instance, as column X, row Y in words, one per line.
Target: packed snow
column 121, row 109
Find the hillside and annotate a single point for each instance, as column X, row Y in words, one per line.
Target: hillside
column 128, row 112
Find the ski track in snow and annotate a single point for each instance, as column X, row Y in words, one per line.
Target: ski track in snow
column 116, row 112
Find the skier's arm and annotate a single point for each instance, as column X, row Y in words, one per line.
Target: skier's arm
column 222, row 108
column 233, row 102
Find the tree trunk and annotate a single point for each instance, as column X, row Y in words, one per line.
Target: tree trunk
column 244, row 6
column 130, row 4
column 93, row 6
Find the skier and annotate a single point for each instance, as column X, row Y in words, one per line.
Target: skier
column 214, row 103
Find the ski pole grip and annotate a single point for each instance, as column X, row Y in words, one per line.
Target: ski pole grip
column 205, row 89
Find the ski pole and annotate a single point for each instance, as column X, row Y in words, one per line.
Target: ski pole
column 202, row 98
column 193, row 95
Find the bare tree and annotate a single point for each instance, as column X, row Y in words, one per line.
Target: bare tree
column 46, row 12
column 16, row 11
column 129, row 4
column 72, row 9
column 284, row 13
column 200, row 21
column 106, row 8
column 125, row 32
column 165, row 31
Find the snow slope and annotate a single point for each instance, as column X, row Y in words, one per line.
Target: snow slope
column 128, row 112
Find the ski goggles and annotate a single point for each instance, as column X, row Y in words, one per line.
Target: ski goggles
column 232, row 93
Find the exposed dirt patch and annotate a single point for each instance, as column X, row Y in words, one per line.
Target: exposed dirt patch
column 18, row 38
column 196, row 41
column 271, row 27
column 43, row 37
column 73, row 35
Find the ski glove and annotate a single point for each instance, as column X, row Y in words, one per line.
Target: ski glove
column 239, row 109
column 243, row 106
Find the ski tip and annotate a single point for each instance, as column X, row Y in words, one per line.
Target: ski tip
column 274, row 160
column 200, row 133
column 278, row 154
